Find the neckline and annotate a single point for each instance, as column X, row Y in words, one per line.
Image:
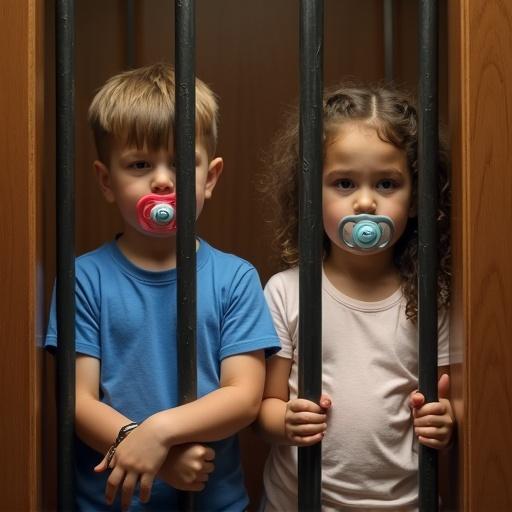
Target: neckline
column 359, row 305
column 155, row 276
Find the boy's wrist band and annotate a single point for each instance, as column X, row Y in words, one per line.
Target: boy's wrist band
column 123, row 432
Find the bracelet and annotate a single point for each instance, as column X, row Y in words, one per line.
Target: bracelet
column 123, row 432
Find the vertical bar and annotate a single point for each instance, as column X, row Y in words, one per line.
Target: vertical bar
column 185, row 135
column 427, row 233
column 130, row 33
column 389, row 47
column 65, row 288
column 310, row 238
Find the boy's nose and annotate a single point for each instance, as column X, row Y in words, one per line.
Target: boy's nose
column 365, row 203
column 163, row 182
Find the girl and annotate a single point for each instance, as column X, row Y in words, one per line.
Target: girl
column 369, row 298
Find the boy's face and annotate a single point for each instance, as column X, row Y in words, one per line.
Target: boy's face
column 135, row 173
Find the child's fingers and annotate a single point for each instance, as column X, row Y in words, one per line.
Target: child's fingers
column 146, row 484
column 129, row 483
column 325, row 401
column 302, row 418
column 432, row 408
column 432, row 432
column 208, row 467
column 432, row 420
column 307, row 441
column 209, row 453
column 113, row 483
column 302, row 405
column 443, row 386
column 307, row 430
column 102, row 466
column 431, row 443
column 416, row 400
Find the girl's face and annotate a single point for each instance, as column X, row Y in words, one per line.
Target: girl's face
column 363, row 174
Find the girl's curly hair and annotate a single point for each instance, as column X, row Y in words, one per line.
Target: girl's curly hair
column 393, row 114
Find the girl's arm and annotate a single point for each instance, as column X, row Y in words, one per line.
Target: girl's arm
column 271, row 417
column 296, row 422
column 434, row 422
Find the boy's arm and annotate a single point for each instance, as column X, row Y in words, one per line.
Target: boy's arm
column 212, row 417
column 222, row 412
column 96, row 423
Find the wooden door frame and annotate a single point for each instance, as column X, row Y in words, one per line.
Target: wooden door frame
column 21, row 111
column 480, row 67
column 480, row 106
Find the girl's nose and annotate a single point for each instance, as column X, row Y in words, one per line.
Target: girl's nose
column 364, row 203
column 163, row 181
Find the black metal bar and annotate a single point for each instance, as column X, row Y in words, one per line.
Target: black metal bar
column 389, row 47
column 186, row 204
column 427, row 232
column 65, row 287
column 130, row 33
column 310, row 238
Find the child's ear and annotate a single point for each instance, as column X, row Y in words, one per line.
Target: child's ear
column 103, row 176
column 214, row 172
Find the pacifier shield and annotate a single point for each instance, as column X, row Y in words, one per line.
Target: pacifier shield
column 157, row 213
column 366, row 232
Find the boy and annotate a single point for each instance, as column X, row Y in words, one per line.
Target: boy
column 126, row 370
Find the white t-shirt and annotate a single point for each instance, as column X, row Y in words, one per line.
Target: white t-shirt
column 370, row 366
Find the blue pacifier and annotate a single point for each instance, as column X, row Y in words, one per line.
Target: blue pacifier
column 366, row 232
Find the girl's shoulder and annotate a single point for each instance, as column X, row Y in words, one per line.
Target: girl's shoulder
column 287, row 280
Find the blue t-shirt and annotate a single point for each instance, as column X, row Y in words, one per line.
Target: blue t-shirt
column 126, row 317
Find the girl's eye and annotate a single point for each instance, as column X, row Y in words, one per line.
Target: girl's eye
column 386, row 185
column 344, row 184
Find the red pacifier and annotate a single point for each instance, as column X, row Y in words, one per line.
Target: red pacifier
column 157, row 213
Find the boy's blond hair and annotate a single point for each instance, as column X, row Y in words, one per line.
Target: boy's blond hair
column 137, row 107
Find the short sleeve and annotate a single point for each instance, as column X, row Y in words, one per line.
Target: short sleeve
column 246, row 324
column 276, row 294
column 443, row 342
column 87, row 329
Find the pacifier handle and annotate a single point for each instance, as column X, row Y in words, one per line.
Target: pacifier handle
column 366, row 232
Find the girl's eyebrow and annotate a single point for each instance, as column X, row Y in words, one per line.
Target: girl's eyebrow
column 381, row 172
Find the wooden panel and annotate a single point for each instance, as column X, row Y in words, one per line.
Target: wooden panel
column 481, row 115
column 20, row 150
column 489, row 354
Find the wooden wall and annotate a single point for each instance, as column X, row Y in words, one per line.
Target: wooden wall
column 481, row 120
column 21, row 300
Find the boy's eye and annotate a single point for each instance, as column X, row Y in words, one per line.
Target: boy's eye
column 386, row 185
column 139, row 165
column 344, row 184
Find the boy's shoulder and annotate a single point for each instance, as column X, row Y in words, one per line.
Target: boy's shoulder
column 226, row 261
column 101, row 256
